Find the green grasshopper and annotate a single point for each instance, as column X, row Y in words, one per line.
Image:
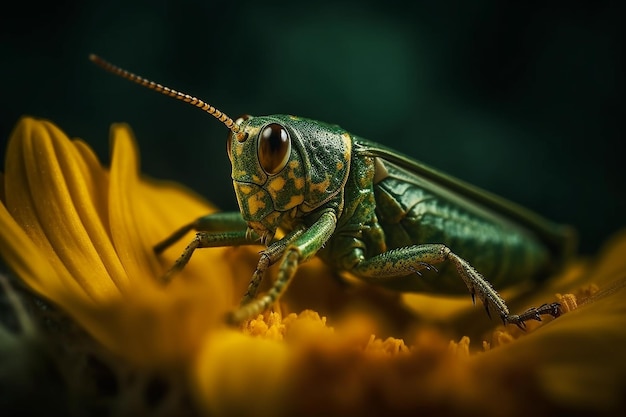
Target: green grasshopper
column 365, row 209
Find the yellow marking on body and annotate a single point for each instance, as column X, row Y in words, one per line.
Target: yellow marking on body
column 298, row 182
column 255, row 203
column 276, row 184
column 369, row 173
column 256, row 178
column 322, row 186
column 238, row 173
column 347, row 140
column 339, row 165
column 238, row 149
column 271, row 220
column 295, row 200
column 246, row 189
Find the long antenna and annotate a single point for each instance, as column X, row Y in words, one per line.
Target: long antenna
column 241, row 136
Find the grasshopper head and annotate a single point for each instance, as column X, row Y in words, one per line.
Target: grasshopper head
column 283, row 165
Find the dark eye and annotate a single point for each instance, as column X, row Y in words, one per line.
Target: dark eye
column 274, row 148
column 230, row 133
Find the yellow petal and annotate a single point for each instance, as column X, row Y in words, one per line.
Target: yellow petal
column 23, row 256
column 2, row 188
column 127, row 220
column 96, row 180
column 47, row 196
column 83, row 239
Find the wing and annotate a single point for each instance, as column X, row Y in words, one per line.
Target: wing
column 560, row 239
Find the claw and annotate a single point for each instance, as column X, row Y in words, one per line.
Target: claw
column 516, row 320
column 429, row 267
column 416, row 271
column 534, row 313
column 553, row 309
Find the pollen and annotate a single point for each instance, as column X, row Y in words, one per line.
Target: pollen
column 568, row 302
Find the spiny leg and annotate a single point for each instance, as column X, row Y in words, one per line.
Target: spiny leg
column 208, row 240
column 173, row 238
column 214, row 222
column 288, row 268
column 395, row 265
column 297, row 247
column 268, row 257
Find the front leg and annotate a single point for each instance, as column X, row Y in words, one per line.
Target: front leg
column 268, row 257
column 214, row 230
column 214, row 222
column 209, row 240
column 303, row 246
column 396, row 267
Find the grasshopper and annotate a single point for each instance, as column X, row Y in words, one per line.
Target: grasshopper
column 366, row 209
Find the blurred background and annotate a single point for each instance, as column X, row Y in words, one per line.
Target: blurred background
column 523, row 99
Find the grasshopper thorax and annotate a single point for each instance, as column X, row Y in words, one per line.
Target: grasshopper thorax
column 286, row 165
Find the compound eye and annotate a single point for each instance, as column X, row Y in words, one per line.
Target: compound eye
column 274, row 148
column 238, row 122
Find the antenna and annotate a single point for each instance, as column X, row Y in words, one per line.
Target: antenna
column 241, row 136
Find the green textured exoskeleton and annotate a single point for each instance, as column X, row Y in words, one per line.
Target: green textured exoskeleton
column 366, row 209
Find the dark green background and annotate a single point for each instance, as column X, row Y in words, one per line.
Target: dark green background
column 522, row 99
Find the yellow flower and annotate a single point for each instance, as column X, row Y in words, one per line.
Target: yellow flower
column 81, row 236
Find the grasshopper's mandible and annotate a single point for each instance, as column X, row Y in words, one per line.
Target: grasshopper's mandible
column 364, row 208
